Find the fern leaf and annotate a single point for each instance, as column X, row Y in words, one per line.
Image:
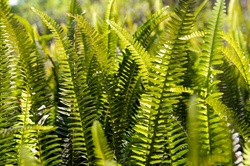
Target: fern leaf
column 97, row 46
column 240, row 60
column 103, row 153
column 70, row 118
column 30, row 81
column 154, row 141
column 246, row 155
column 139, row 54
column 110, row 41
column 124, row 103
column 8, row 94
column 210, row 57
column 143, row 33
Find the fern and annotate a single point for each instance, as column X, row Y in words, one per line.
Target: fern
column 240, row 60
column 139, row 93
column 156, row 117
column 110, row 41
column 210, row 125
column 33, row 96
column 69, row 115
column 246, row 155
column 139, row 54
column 144, row 31
column 102, row 150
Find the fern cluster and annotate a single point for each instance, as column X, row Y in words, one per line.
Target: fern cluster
column 106, row 97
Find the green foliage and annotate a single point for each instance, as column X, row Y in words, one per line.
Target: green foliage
column 103, row 153
column 176, row 92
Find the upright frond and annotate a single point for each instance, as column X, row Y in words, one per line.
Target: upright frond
column 102, row 151
column 70, row 117
column 154, row 141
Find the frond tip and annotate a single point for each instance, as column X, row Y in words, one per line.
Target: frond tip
column 103, row 153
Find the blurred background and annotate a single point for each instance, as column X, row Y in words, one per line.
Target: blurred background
column 131, row 11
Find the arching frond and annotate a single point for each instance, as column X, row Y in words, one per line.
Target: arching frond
column 210, row 57
column 144, row 31
column 240, row 59
column 138, row 53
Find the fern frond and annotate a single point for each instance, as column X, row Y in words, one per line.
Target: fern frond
column 139, row 54
column 157, row 117
column 33, row 95
column 124, row 101
column 97, row 46
column 143, row 33
column 212, row 143
column 69, row 116
column 240, row 59
column 102, row 151
column 209, row 122
column 246, row 155
column 110, row 40
column 210, row 57
column 8, row 92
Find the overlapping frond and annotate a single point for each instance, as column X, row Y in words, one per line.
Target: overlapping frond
column 239, row 58
column 70, row 106
column 212, row 142
column 140, row 99
column 144, row 31
column 138, row 52
column 32, row 94
column 159, row 137
column 96, row 45
column 124, row 105
column 8, row 99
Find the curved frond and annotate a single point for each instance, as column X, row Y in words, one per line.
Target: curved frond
column 139, row 54
column 143, row 33
column 71, row 106
column 240, row 59
column 102, row 151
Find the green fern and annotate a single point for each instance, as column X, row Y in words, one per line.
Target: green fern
column 178, row 99
column 103, row 152
column 139, row 54
column 69, row 115
column 154, row 142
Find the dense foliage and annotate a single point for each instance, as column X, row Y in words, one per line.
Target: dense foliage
column 176, row 92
